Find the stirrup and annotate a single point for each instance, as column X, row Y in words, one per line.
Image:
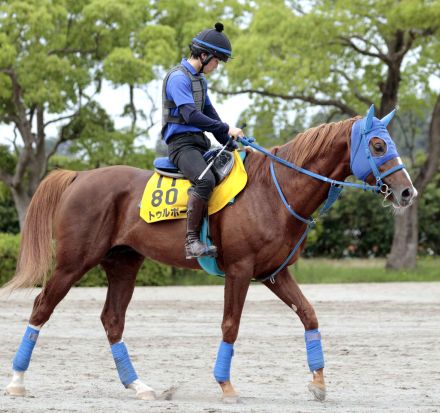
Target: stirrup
column 209, row 251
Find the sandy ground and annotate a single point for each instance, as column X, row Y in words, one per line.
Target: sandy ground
column 381, row 343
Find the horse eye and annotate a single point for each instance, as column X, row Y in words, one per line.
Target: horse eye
column 378, row 148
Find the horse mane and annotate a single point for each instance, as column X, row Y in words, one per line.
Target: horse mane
column 307, row 145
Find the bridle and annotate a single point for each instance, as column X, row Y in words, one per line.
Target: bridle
column 336, row 186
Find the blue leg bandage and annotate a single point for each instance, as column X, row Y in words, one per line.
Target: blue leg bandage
column 222, row 367
column 315, row 356
column 23, row 356
column 123, row 363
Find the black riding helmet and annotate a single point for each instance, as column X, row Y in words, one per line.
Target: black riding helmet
column 213, row 42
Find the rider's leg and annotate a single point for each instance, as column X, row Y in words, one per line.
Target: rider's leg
column 187, row 155
column 197, row 209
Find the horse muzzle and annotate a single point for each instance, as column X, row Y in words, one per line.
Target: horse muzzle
column 401, row 196
column 406, row 196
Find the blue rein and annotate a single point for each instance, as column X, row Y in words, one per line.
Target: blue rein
column 335, row 190
column 364, row 186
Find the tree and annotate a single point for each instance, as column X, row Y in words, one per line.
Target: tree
column 8, row 214
column 345, row 56
column 406, row 226
column 50, row 56
column 55, row 55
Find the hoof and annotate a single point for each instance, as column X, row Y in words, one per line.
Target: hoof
column 231, row 400
column 15, row 389
column 168, row 394
column 143, row 392
column 229, row 396
column 146, row 395
column 317, row 391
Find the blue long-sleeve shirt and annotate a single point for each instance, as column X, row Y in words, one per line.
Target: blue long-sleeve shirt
column 178, row 89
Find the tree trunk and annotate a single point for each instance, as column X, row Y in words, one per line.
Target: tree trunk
column 21, row 201
column 406, row 232
column 405, row 241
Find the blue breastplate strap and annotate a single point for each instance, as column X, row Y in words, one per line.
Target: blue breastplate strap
column 332, row 197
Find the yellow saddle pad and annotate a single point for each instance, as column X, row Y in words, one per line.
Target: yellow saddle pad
column 167, row 198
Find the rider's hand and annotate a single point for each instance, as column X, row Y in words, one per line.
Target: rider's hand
column 235, row 133
column 232, row 146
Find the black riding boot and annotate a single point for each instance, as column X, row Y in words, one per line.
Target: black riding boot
column 194, row 248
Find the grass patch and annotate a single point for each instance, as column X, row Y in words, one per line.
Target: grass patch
column 316, row 271
column 331, row 271
column 198, row 278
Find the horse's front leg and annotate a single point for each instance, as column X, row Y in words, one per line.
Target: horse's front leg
column 236, row 287
column 287, row 289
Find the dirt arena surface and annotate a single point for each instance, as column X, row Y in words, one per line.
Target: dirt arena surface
column 381, row 343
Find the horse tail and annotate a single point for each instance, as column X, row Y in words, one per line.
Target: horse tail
column 36, row 248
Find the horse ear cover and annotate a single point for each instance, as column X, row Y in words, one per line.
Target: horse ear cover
column 369, row 118
column 387, row 119
column 370, row 127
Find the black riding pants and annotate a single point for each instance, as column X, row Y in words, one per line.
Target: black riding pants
column 186, row 152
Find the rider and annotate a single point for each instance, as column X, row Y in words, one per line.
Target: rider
column 187, row 113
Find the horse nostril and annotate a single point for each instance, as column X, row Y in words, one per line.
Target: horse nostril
column 406, row 194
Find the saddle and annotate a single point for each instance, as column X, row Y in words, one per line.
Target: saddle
column 166, row 194
column 221, row 168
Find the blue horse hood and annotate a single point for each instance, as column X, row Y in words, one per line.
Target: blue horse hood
column 359, row 151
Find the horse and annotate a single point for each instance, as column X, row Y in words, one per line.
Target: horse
column 92, row 218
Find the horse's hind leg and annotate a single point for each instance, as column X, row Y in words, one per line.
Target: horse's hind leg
column 287, row 289
column 121, row 266
column 66, row 273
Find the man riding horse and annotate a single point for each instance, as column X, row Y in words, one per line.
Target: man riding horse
column 187, row 112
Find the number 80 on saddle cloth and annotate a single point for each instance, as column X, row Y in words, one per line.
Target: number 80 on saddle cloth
column 166, row 192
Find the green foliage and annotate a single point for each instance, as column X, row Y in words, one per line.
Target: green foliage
column 94, row 140
column 121, row 66
column 8, row 215
column 317, row 271
column 359, row 226
column 356, row 226
column 305, row 270
column 151, row 273
column 330, row 52
column 54, row 57
column 429, row 217
column 7, row 159
column 9, row 245
column 188, row 17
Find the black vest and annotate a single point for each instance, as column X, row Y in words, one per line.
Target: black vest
column 198, row 87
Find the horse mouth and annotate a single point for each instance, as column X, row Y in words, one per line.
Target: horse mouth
column 399, row 202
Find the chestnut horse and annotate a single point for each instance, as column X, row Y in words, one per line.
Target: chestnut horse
column 93, row 217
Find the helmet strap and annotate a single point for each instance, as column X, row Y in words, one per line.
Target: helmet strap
column 205, row 62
